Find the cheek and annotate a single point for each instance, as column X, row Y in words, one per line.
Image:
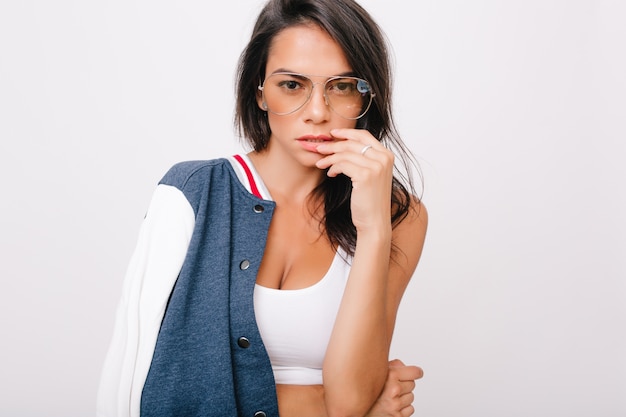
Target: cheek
column 349, row 124
column 283, row 123
column 345, row 123
column 277, row 123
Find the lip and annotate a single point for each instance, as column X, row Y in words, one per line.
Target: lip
column 315, row 138
column 311, row 142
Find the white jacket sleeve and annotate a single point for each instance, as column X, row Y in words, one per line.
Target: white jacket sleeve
column 154, row 267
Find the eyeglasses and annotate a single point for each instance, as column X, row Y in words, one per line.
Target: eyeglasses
column 287, row 92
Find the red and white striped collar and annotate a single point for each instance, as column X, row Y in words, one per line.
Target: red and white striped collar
column 249, row 177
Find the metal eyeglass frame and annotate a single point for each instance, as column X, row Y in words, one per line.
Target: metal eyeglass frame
column 313, row 84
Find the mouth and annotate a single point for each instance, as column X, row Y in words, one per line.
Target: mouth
column 315, row 139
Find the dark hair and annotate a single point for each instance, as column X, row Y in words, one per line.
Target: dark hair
column 365, row 48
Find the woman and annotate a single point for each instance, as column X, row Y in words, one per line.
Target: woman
column 270, row 282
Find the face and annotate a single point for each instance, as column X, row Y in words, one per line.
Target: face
column 311, row 51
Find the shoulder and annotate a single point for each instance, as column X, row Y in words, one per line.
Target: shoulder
column 201, row 181
column 413, row 227
column 180, row 174
column 417, row 215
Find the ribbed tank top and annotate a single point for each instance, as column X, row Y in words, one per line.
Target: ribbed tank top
column 296, row 325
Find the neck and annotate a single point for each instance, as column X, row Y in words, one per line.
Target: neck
column 286, row 178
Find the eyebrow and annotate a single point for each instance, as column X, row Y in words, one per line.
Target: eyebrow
column 343, row 74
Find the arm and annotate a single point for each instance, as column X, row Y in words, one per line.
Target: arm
column 356, row 363
column 395, row 400
column 150, row 276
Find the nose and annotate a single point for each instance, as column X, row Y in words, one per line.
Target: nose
column 317, row 109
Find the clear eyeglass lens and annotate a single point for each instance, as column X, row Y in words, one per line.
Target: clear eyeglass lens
column 349, row 97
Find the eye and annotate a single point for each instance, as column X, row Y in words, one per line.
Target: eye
column 290, row 84
column 343, row 86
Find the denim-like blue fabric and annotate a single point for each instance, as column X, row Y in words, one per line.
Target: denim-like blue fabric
column 198, row 367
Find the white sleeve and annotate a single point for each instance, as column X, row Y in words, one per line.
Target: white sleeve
column 154, row 267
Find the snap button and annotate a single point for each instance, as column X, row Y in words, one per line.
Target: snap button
column 259, row 208
column 245, row 264
column 260, row 414
column 244, row 343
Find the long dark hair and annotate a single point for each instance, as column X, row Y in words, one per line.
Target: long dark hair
column 365, row 48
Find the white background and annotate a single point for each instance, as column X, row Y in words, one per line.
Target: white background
column 516, row 111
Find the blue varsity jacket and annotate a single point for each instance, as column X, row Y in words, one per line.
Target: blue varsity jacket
column 209, row 359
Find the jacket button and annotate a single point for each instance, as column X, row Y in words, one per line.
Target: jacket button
column 259, row 208
column 260, row 414
column 245, row 264
column 244, row 343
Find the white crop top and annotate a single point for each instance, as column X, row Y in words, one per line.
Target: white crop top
column 295, row 325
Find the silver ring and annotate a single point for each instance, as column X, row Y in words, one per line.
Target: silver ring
column 365, row 148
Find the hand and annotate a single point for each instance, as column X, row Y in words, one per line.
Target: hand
column 371, row 172
column 397, row 396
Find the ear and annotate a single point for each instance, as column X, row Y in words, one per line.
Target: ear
column 259, row 100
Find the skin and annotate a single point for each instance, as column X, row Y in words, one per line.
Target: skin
column 358, row 378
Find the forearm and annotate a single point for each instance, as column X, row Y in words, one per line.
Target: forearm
column 301, row 400
column 355, row 366
column 396, row 398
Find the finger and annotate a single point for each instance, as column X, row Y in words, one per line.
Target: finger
column 360, row 135
column 405, row 387
column 403, row 406
column 407, row 373
column 406, row 400
column 341, row 153
column 356, row 170
column 407, row 411
column 350, row 146
column 355, row 159
column 360, row 171
column 395, row 389
column 354, row 165
column 355, row 137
